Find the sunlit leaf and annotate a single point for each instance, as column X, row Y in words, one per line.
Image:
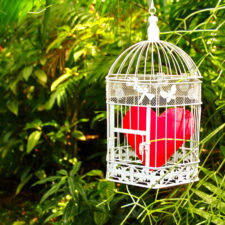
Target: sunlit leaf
column 19, row 223
column 59, row 80
column 95, row 173
column 33, row 140
column 35, row 124
column 26, row 72
column 41, row 76
column 78, row 54
column 209, row 199
column 78, row 135
column 209, row 216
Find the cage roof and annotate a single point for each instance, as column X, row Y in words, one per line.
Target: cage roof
column 154, row 60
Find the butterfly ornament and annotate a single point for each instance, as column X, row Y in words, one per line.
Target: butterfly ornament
column 142, row 89
column 118, row 90
column 170, row 94
column 193, row 93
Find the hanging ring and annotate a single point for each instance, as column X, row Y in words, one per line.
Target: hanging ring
column 152, row 10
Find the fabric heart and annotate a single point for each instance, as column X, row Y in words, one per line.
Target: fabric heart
column 174, row 123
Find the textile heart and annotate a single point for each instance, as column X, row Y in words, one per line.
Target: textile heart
column 167, row 132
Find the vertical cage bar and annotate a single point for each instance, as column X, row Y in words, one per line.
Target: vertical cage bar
column 147, row 145
column 111, row 131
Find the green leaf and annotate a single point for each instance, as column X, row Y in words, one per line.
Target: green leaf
column 78, row 54
column 208, row 216
column 209, row 199
column 57, row 214
column 213, row 133
column 26, row 72
column 95, row 173
column 25, row 172
column 59, row 81
column 41, row 76
column 99, row 117
column 56, row 43
column 48, row 205
column 13, row 85
column 50, row 103
column 19, row 223
column 40, row 174
column 53, row 190
column 48, row 179
column 13, row 106
column 33, row 140
column 215, row 190
column 35, row 124
column 75, row 169
column 22, row 183
column 43, row 61
column 106, row 189
column 62, row 172
column 72, row 188
column 222, row 148
column 215, row 177
column 81, row 190
column 52, row 123
column 69, row 211
column 110, row 190
column 77, row 134
column 100, row 218
column 83, row 120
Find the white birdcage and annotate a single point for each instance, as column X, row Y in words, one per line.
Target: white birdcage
column 153, row 94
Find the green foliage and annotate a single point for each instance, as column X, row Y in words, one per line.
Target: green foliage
column 71, row 199
column 181, row 206
column 211, row 203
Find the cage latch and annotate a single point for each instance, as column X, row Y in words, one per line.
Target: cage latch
column 145, row 146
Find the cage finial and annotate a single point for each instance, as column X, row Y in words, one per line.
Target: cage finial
column 152, row 8
column 153, row 30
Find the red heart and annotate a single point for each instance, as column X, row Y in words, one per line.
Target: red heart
column 174, row 123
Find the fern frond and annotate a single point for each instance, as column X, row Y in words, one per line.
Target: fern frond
column 64, row 91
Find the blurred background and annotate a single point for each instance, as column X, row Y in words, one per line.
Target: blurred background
column 54, row 56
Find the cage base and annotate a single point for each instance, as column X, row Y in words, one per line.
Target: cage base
column 159, row 178
column 152, row 187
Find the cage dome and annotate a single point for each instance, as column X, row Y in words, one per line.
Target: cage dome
column 148, row 60
column 153, row 96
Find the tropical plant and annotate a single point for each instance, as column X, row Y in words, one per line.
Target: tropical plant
column 54, row 56
column 74, row 201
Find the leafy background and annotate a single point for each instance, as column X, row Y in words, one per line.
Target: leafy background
column 54, row 56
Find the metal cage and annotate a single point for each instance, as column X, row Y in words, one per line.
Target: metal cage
column 153, row 95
